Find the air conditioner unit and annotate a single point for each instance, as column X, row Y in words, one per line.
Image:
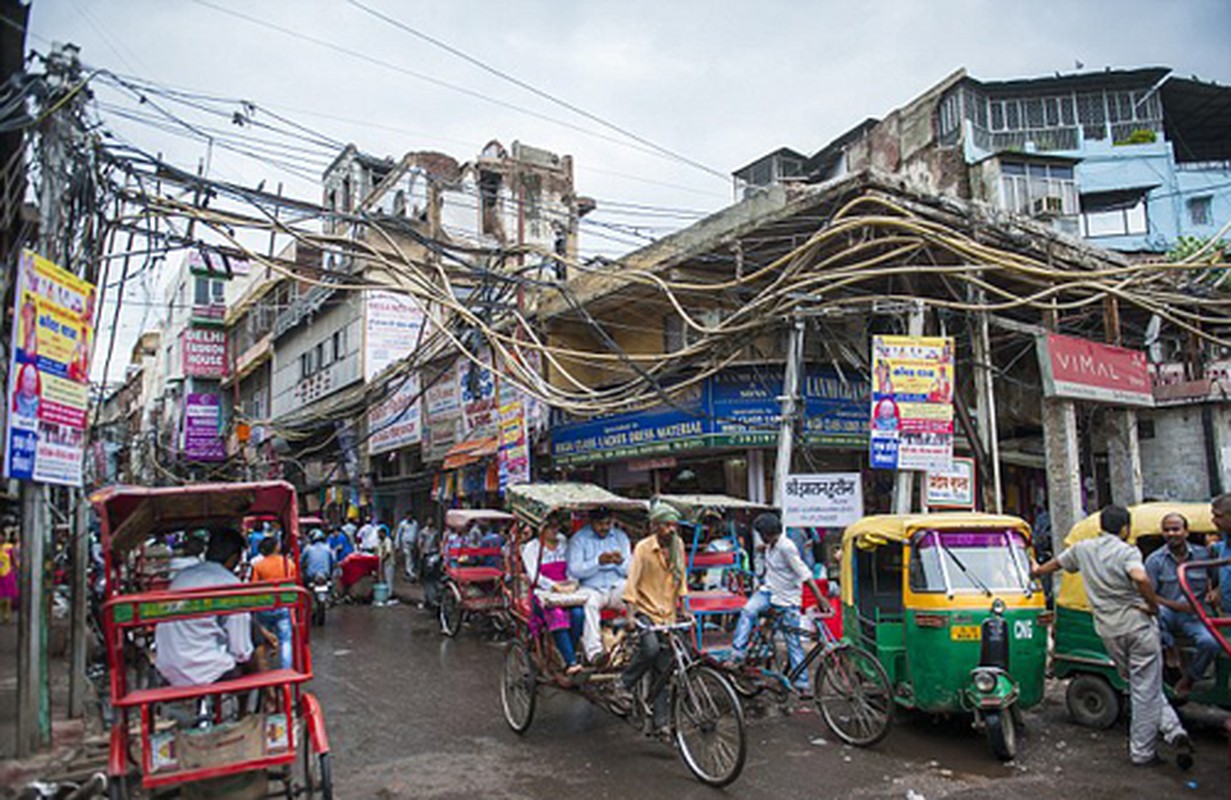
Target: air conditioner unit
column 1048, row 206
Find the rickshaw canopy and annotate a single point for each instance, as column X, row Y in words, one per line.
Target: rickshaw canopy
column 460, row 518
column 1145, row 519
column 694, row 507
column 534, row 502
column 129, row 514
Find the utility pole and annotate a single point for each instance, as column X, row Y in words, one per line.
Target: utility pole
column 790, row 409
column 904, row 484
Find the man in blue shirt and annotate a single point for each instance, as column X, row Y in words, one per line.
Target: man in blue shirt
column 341, row 545
column 1175, row 614
column 317, row 558
column 598, row 559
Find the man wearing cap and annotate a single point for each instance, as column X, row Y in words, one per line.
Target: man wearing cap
column 785, row 574
column 598, row 559
column 1124, row 606
column 656, row 582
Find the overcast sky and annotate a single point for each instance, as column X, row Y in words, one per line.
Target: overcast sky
column 716, row 82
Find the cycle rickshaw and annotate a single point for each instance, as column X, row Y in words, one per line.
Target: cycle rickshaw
column 472, row 582
column 707, row 722
column 946, row 604
column 236, row 734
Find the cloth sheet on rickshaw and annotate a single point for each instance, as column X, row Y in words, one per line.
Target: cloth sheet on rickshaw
column 357, row 566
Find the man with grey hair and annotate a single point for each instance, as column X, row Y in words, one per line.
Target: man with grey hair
column 1124, row 607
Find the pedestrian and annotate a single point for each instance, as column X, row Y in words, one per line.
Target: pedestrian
column 1175, row 614
column 368, row 535
column 8, row 577
column 386, row 554
column 598, row 559
column 341, row 545
column 656, row 582
column 430, row 564
column 1124, row 607
column 407, row 542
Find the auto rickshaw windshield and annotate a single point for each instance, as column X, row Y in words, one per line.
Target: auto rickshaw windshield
column 987, row 560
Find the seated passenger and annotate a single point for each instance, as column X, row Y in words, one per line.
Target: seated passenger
column 492, row 540
column 199, row 651
column 598, row 559
column 545, row 561
column 1175, row 614
column 785, row 575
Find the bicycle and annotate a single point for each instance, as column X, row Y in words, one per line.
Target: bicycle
column 850, row 688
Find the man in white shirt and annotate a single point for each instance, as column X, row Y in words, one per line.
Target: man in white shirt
column 785, row 575
column 369, row 536
column 407, row 541
column 200, row 651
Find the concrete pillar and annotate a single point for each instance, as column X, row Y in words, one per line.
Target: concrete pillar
column 1063, row 467
column 985, row 409
column 1124, row 457
column 756, row 476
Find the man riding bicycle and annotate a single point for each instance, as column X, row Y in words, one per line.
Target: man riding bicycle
column 780, row 590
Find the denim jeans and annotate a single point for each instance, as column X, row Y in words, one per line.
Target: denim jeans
column 279, row 622
column 758, row 603
column 1190, row 625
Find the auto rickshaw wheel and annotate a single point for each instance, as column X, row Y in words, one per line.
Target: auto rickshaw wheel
column 1002, row 733
column 518, row 687
column 450, row 610
column 1092, row 702
column 709, row 726
column 851, row 692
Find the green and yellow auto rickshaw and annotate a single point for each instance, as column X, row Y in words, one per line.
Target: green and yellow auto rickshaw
column 1096, row 692
column 946, row 603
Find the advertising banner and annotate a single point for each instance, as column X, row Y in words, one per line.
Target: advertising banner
column 443, row 397
column 216, row 263
column 393, row 323
column 204, row 352
column 477, row 387
column 49, row 372
column 952, row 488
column 394, row 422
column 822, row 500
column 202, row 441
column 1086, row 370
column 912, row 402
column 514, row 452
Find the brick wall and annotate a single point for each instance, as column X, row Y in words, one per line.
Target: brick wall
column 1173, row 459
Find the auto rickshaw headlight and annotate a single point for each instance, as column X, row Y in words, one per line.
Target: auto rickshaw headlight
column 998, row 606
column 985, row 680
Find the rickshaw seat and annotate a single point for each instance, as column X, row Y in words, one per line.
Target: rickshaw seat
column 715, row 602
column 707, row 560
column 171, row 694
column 475, row 574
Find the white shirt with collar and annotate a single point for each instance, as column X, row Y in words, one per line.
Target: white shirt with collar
column 200, row 651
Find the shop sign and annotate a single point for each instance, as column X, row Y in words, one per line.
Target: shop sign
column 952, row 488
column 912, row 402
column 49, row 371
column 392, row 327
column 440, row 436
column 443, row 398
column 394, row 421
column 202, row 441
column 477, row 387
column 1084, row 370
column 822, row 500
column 204, row 352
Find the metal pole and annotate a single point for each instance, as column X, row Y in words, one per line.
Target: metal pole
column 790, row 393
column 986, row 392
column 78, row 643
column 904, row 484
column 33, row 702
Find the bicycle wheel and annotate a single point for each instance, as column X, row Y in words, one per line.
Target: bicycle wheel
column 851, row 691
column 518, row 685
column 709, row 726
column 450, row 610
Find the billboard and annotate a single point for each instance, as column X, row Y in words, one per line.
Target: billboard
column 204, row 352
column 394, row 421
column 1084, row 370
column 49, row 371
column 912, row 402
column 202, row 441
column 392, row 325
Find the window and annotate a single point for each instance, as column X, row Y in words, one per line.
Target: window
column 942, row 561
column 339, row 344
column 1121, row 213
column 218, row 291
column 306, row 368
column 200, row 295
column 321, row 358
column 1200, row 210
column 1038, row 188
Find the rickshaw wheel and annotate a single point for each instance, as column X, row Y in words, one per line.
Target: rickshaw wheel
column 851, row 692
column 117, row 788
column 709, row 726
column 450, row 610
column 1092, row 702
column 318, row 774
column 518, row 687
column 1002, row 733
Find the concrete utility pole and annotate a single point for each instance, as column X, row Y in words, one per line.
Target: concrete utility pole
column 985, row 394
column 904, row 484
column 790, row 405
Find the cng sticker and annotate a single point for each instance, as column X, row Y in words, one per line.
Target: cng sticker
column 1023, row 629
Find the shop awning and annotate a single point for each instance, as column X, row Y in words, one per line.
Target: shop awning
column 468, row 452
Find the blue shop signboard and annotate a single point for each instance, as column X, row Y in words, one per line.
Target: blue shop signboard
column 739, row 407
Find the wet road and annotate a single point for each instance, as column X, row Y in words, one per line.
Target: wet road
column 411, row 714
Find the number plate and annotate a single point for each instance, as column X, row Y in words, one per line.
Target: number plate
column 965, row 633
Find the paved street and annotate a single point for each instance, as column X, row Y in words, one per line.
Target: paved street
column 413, row 715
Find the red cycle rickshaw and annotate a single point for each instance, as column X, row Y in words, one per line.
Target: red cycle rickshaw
column 472, row 583
column 236, row 734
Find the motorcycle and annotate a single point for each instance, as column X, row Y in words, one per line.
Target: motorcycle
column 322, row 597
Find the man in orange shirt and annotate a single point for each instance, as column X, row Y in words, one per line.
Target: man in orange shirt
column 274, row 566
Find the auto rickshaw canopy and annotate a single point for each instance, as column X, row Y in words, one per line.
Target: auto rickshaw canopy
column 130, row 514
column 1145, row 519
